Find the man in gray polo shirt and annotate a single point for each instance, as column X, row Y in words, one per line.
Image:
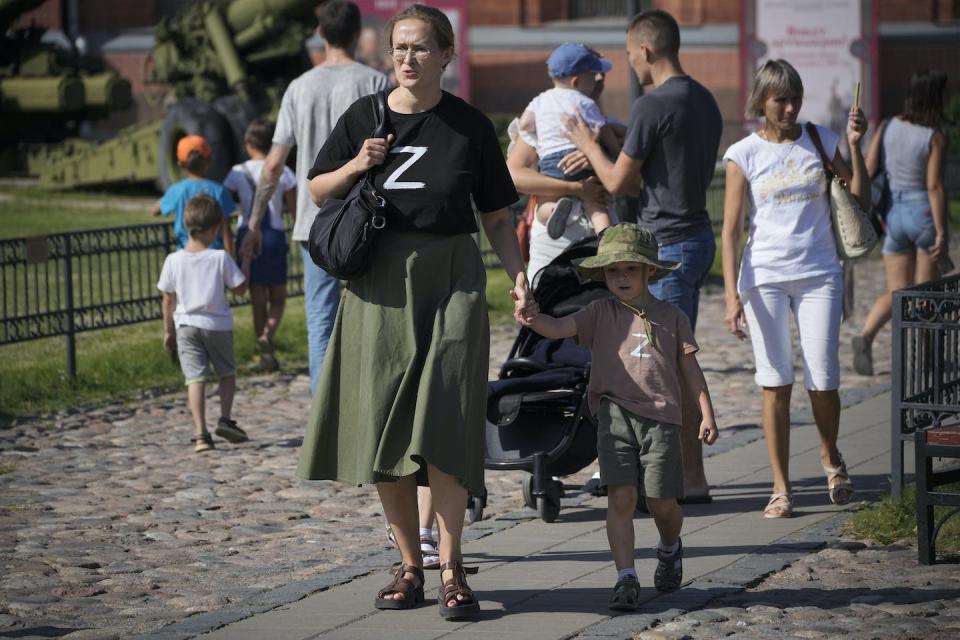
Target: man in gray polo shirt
column 311, row 106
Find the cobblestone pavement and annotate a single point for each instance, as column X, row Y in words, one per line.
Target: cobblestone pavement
column 847, row 590
column 110, row 526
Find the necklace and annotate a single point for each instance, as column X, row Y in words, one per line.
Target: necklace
column 776, row 147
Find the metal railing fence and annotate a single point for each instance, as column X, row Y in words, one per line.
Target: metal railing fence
column 925, row 368
column 67, row 283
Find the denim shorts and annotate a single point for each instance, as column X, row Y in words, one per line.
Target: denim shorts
column 909, row 223
column 548, row 167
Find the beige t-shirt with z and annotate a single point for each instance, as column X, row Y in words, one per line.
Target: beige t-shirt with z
column 636, row 370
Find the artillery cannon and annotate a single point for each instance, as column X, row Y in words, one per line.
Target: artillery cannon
column 227, row 62
column 47, row 90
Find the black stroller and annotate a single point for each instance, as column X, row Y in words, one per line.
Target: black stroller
column 537, row 416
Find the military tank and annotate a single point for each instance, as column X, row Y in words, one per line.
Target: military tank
column 224, row 62
column 48, row 88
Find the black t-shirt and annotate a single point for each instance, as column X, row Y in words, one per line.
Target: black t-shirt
column 675, row 130
column 439, row 159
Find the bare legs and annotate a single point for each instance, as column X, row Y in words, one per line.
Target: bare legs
column 621, row 504
column 902, row 270
column 400, row 507
column 268, row 303
column 196, row 398
column 776, row 430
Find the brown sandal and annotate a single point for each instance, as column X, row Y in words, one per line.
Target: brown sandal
column 456, row 586
column 412, row 593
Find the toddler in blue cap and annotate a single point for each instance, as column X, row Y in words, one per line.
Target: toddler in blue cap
column 577, row 74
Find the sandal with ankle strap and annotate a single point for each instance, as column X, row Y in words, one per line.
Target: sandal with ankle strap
column 412, row 593
column 453, row 587
column 779, row 506
column 839, row 485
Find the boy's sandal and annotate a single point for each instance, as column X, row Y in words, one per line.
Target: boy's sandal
column 202, row 443
column 626, row 594
column 839, row 484
column 412, row 592
column 455, row 586
column 779, row 506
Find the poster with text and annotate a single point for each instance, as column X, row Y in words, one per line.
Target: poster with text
column 829, row 43
column 373, row 42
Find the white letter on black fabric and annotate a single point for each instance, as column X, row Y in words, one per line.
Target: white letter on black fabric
column 391, row 181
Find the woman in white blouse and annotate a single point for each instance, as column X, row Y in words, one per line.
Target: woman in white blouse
column 789, row 267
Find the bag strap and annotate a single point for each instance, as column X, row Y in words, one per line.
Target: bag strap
column 882, row 164
column 815, row 136
column 379, row 102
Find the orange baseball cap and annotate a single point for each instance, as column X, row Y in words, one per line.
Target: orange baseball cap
column 192, row 143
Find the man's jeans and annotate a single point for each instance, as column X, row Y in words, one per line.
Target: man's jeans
column 321, row 295
column 682, row 287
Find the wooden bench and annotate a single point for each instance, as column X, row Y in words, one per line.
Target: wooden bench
column 940, row 442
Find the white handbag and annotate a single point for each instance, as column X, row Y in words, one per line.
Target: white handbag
column 852, row 228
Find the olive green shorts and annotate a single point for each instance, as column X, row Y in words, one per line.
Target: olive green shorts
column 640, row 452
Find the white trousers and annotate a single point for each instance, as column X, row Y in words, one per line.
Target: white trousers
column 817, row 305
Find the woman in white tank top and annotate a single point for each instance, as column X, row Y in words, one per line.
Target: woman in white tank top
column 915, row 245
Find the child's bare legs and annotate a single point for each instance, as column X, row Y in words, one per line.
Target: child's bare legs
column 228, row 388
column 258, row 304
column 197, row 401
column 277, row 294
column 621, row 504
column 556, row 214
column 668, row 517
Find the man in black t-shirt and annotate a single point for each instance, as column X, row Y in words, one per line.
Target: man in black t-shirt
column 668, row 159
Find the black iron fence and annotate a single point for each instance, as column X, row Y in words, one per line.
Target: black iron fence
column 926, row 364
column 66, row 283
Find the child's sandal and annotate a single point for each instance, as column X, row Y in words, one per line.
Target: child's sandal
column 412, row 593
column 453, row 587
column 626, row 594
column 202, row 443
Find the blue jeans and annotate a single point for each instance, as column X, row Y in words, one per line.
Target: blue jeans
column 549, row 167
column 682, row 287
column 321, row 296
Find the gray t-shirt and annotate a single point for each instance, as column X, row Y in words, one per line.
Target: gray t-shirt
column 675, row 130
column 906, row 150
column 311, row 106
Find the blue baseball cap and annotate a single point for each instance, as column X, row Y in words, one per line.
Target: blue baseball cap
column 570, row 59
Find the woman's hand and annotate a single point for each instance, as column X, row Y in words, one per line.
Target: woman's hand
column 735, row 318
column 939, row 246
column 373, row 152
column 524, row 306
column 573, row 163
column 856, row 126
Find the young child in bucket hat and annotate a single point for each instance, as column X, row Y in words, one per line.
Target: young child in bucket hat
column 577, row 72
column 643, row 358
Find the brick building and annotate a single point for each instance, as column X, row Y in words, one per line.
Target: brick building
column 511, row 39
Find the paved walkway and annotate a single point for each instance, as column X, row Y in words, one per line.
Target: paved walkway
column 110, row 527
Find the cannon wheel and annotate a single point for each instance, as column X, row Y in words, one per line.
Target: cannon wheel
column 193, row 117
column 238, row 113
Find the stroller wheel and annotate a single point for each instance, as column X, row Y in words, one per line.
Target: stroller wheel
column 548, row 505
column 475, row 505
column 528, row 498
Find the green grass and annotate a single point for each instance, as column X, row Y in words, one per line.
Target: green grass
column 891, row 521
column 7, row 468
column 26, row 212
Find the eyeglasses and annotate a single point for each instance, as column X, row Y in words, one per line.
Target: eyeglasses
column 419, row 53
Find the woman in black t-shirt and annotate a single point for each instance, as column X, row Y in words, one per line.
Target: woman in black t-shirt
column 401, row 399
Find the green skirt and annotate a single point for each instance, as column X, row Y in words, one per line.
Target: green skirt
column 404, row 378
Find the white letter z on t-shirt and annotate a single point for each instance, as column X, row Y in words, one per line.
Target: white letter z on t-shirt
column 391, row 181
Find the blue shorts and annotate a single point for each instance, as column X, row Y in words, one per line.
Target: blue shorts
column 548, row 166
column 909, row 223
column 270, row 267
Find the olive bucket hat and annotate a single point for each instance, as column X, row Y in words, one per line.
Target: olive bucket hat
column 625, row 242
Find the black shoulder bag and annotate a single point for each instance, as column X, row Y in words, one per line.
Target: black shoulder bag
column 344, row 232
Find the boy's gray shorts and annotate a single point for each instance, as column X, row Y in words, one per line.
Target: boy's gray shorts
column 639, row 452
column 199, row 349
